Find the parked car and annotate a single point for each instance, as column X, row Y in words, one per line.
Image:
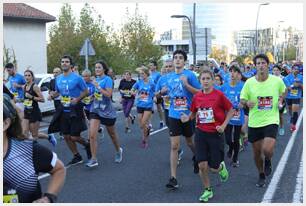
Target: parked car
column 43, row 81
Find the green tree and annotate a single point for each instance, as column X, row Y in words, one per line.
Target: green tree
column 136, row 39
column 219, row 54
column 62, row 38
column 290, row 53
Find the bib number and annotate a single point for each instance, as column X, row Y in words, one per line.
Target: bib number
column 127, row 93
column 236, row 115
column 98, row 96
column 206, row 116
column 294, row 92
column 180, row 103
column 28, row 104
column 65, row 101
column 10, row 198
column 86, row 100
column 144, row 97
column 265, row 103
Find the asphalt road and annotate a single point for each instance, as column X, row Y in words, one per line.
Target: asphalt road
column 143, row 173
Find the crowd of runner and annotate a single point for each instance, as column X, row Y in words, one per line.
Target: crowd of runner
column 211, row 107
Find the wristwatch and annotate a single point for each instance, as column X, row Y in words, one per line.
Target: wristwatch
column 52, row 198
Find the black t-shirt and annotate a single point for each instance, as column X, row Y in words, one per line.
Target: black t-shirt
column 126, row 86
column 23, row 162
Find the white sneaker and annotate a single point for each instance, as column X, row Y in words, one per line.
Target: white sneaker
column 118, row 156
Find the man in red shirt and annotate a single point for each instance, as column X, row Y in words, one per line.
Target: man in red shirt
column 212, row 111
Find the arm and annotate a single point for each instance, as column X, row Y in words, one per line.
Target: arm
column 40, row 97
column 229, row 115
column 190, row 88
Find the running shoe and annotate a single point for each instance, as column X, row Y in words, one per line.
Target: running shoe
column 195, row 166
column 261, row 181
column 149, row 130
column 172, row 184
column 77, row 159
column 235, row 164
column 52, row 139
column 292, row 128
column 118, row 156
column 92, row 163
column 101, row 129
column 223, row 172
column 268, row 167
column 207, row 194
column 161, row 124
column 281, row 131
column 151, row 127
column 88, row 151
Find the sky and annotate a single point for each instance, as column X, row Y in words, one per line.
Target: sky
column 242, row 17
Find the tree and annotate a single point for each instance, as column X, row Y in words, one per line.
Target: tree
column 136, row 39
column 219, row 54
column 290, row 53
column 62, row 38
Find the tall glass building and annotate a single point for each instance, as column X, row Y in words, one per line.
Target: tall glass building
column 210, row 15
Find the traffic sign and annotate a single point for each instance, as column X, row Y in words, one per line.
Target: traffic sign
column 87, row 48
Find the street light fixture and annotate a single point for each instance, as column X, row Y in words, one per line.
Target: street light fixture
column 256, row 31
column 192, row 31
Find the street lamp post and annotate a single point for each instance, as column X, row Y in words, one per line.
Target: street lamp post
column 192, row 31
column 256, row 31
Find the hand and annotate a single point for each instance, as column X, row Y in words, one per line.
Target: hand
column 74, row 101
column 250, row 104
column 15, row 85
column 220, row 128
column 27, row 95
column 184, row 117
column 183, row 78
column 295, row 84
column 42, row 200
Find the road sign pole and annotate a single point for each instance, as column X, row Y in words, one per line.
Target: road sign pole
column 206, row 46
column 86, row 56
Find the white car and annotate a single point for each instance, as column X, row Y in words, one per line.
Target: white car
column 43, row 81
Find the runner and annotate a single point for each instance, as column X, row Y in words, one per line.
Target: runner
column 87, row 101
column 277, row 72
column 57, row 100
column 144, row 88
column 32, row 115
column 102, row 112
column 71, row 120
column 23, row 160
column 16, row 82
column 294, row 84
column 213, row 111
column 262, row 94
column 181, row 85
column 127, row 99
column 218, row 82
column 232, row 132
column 155, row 75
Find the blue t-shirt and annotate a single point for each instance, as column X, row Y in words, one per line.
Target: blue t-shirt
column 180, row 97
column 102, row 105
column 155, row 76
column 248, row 74
column 70, row 86
column 18, row 79
column 295, row 92
column 145, row 93
column 233, row 94
column 217, row 87
column 87, row 101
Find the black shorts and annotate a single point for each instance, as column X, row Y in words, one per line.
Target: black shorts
column 246, row 111
column 159, row 100
column 142, row 109
column 259, row 133
column 87, row 113
column 209, row 147
column 32, row 115
column 177, row 128
column 72, row 126
column 104, row 121
column 290, row 102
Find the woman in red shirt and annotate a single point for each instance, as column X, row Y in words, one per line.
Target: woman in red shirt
column 212, row 111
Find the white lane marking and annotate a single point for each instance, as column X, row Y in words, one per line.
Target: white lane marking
column 268, row 196
column 298, row 192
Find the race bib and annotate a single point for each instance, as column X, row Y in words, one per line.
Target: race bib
column 167, row 103
column 206, row 115
column 65, row 100
column 86, row 100
column 98, row 96
column 294, row 92
column 265, row 103
column 10, row 198
column 144, row 96
column 180, row 103
column 236, row 116
column 127, row 93
column 28, row 103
